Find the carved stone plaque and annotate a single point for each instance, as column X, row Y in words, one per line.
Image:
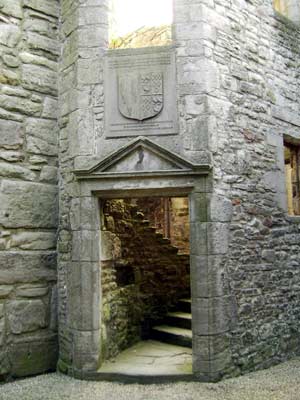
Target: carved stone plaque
column 140, row 92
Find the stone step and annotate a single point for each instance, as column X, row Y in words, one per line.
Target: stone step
column 184, row 305
column 172, row 335
column 179, row 319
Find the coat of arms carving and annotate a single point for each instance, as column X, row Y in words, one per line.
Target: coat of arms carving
column 140, row 94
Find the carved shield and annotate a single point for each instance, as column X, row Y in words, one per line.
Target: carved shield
column 140, row 94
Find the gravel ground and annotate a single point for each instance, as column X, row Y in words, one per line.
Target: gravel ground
column 278, row 383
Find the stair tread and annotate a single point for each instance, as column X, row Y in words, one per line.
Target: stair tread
column 186, row 300
column 174, row 330
column 180, row 314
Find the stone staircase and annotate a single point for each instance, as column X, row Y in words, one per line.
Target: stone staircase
column 176, row 327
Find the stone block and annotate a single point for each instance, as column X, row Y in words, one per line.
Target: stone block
column 42, row 136
column 39, row 42
column 198, row 207
column 49, row 174
column 5, row 291
column 85, row 213
column 50, row 108
column 84, row 290
column 10, row 134
column 220, row 209
column 208, row 276
column 10, row 35
column 11, row 8
column 8, row 170
column 198, row 232
column 86, row 351
column 26, row 267
column 22, row 105
column 39, row 79
column 26, row 316
column 33, row 358
column 85, row 245
column 210, row 347
column 31, row 290
column 110, row 246
column 210, row 315
column 48, row 7
column 25, row 204
column 217, row 237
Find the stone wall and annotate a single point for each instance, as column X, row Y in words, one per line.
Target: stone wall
column 29, row 50
column 142, row 276
column 249, row 104
column 237, row 91
column 170, row 217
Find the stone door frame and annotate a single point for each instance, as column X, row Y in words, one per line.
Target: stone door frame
column 85, row 276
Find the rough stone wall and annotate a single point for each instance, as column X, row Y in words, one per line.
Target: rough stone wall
column 170, row 217
column 142, row 276
column 237, row 91
column 29, row 50
column 251, row 101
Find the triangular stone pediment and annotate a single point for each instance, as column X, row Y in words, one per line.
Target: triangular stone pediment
column 142, row 156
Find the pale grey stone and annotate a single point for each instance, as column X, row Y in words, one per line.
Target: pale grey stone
column 10, row 133
column 10, row 34
column 5, row 291
column 40, row 79
column 48, row 7
column 50, row 109
column 21, row 206
column 27, row 267
column 49, row 174
column 15, row 171
column 42, row 136
column 30, row 291
column 23, row 106
column 11, row 61
column 33, row 240
column 11, row 156
column 29, row 58
column 40, row 42
column 11, row 8
column 26, row 315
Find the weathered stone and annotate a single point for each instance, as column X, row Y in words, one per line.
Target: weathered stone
column 39, row 42
column 21, row 207
column 40, row 79
column 50, row 109
column 9, row 35
column 26, row 267
column 11, row 8
column 32, row 358
column 29, row 58
column 49, row 174
column 5, row 291
column 34, row 240
column 31, row 291
column 26, row 315
column 15, row 171
column 42, row 136
column 23, row 106
column 10, row 134
column 48, row 7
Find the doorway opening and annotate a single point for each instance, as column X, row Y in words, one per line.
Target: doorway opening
column 145, row 280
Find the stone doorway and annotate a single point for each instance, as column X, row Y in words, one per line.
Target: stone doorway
column 145, row 279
